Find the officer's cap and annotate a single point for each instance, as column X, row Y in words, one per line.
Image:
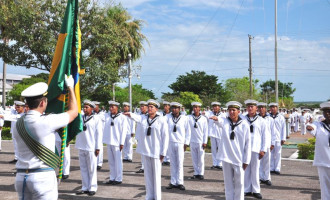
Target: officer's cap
column 90, row 103
column 153, row 102
column 233, row 104
column 250, row 102
column 215, row 103
column 325, row 105
column 35, row 90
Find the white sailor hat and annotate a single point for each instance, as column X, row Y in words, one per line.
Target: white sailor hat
column 251, row 102
column 153, row 102
column 96, row 102
column 325, row 105
column 144, row 103
column 234, row 104
column 126, row 104
column 262, row 104
column 273, row 104
column 175, row 104
column 19, row 103
column 90, row 103
column 113, row 103
column 196, row 104
column 35, row 90
column 215, row 103
column 166, row 103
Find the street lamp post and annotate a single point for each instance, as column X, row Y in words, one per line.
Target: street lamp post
column 129, row 80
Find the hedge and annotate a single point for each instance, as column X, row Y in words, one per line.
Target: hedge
column 306, row 150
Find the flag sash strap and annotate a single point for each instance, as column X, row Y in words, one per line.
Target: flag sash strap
column 39, row 150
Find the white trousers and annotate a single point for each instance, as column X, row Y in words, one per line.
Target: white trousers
column 88, row 163
column 167, row 157
column 66, row 159
column 100, row 157
column 197, row 156
column 152, row 177
column 215, row 146
column 275, row 161
column 115, row 163
column 15, row 147
column 142, row 162
column 265, row 167
column 0, row 139
column 251, row 175
column 303, row 128
column 128, row 148
column 296, row 127
column 38, row 185
column 324, row 175
column 177, row 157
column 234, row 181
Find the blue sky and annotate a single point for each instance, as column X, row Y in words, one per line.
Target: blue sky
column 212, row 36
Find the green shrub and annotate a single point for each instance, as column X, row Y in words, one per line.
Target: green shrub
column 5, row 134
column 306, row 150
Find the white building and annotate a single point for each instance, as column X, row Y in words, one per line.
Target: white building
column 11, row 80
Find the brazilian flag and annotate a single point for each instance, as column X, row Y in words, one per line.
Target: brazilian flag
column 66, row 61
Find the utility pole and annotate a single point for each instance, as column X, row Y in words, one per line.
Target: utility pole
column 114, row 92
column 276, row 81
column 250, row 65
column 129, row 80
column 4, row 73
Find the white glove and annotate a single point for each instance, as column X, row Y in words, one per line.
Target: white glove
column 69, row 82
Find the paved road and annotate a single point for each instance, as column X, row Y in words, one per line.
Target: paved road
column 299, row 180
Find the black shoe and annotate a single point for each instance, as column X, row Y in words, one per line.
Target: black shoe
column 65, row 176
column 91, row 193
column 268, row 182
column 194, row 177
column 81, row 192
column 248, row 194
column 129, row 160
column 272, row 172
column 257, row 195
column 116, row 182
column 218, row 167
column 277, row 173
column 99, row 167
column 13, row 161
column 213, row 167
column 125, row 160
column 170, row 186
column 109, row 182
column 200, row 177
column 140, row 171
column 181, row 187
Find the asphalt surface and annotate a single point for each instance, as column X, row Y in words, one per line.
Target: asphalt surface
column 298, row 180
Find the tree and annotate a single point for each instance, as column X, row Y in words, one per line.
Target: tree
column 238, row 89
column 15, row 93
column 186, row 98
column 285, row 90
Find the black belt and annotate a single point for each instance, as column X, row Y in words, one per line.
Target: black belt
column 34, row 170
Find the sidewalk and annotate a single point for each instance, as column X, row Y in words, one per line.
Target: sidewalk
column 298, row 180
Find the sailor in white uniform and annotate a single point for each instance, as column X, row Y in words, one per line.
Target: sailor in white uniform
column 303, row 122
column 153, row 144
column 235, row 152
column 89, row 143
column 259, row 137
column 13, row 117
column 179, row 136
column 114, row 136
column 166, row 111
column 140, row 130
column 321, row 130
column 279, row 137
column 296, row 120
column 98, row 113
column 198, row 140
column 36, row 179
column 265, row 161
column 128, row 146
column 215, row 135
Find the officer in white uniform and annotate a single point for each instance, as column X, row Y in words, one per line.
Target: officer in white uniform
column 98, row 113
column 198, row 140
column 279, row 137
column 35, row 179
column 114, row 136
column 89, row 143
column 153, row 144
column 321, row 130
column 140, row 130
column 259, row 137
column 128, row 145
column 166, row 111
column 265, row 161
column 215, row 135
column 235, row 152
column 13, row 117
column 179, row 133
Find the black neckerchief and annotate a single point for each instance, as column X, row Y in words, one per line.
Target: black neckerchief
column 266, row 115
column 146, row 114
column 327, row 127
column 175, row 121
column 216, row 114
column 196, row 119
column 150, row 123
column 274, row 116
column 233, row 125
column 164, row 113
column 255, row 117
column 85, row 120
column 113, row 118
